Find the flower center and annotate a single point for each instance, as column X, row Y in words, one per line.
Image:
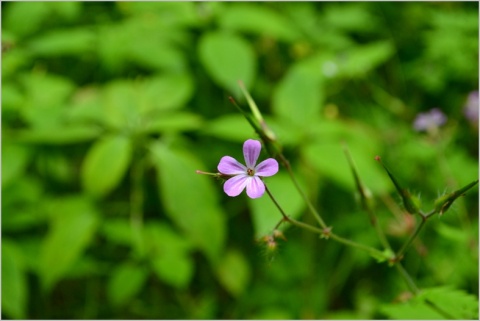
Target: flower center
column 250, row 172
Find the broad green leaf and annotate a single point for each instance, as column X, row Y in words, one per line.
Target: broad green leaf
column 265, row 213
column 117, row 231
column 45, row 90
column 413, row 310
column 350, row 17
column 363, row 59
column 175, row 270
column 131, row 104
column 228, row 59
column 68, row 10
column 234, row 272
column 190, row 199
column 13, row 62
column 435, row 304
column 299, row 96
column 112, row 48
column 120, row 102
column 57, row 135
column 73, row 223
column 159, row 55
column 169, row 255
column 126, row 281
column 232, row 127
column 173, row 122
column 12, row 97
column 327, row 156
column 14, row 282
column 105, row 164
column 45, row 96
column 258, row 19
column 14, row 161
column 169, row 91
column 457, row 303
column 171, row 13
column 31, row 14
column 63, row 42
column 329, row 159
column 86, row 106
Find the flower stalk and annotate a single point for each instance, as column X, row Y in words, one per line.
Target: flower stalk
column 325, row 232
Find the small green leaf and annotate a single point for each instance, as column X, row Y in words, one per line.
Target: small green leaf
column 234, row 272
column 258, row 19
column 327, row 157
column 169, row 255
column 105, row 164
column 14, row 282
column 232, row 127
column 173, row 122
column 169, row 91
column 125, row 283
column 363, row 59
column 131, row 104
column 57, row 135
column 299, row 96
column 73, row 223
column 33, row 13
column 190, row 199
column 117, row 231
column 45, row 90
column 14, row 160
column 227, row 58
column 159, row 55
column 12, row 97
column 64, row 42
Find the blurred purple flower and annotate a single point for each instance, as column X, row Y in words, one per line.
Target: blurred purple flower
column 432, row 119
column 247, row 176
column 471, row 107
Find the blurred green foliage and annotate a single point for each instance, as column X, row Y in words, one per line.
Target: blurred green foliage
column 109, row 108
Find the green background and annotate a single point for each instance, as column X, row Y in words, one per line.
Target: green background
column 108, row 109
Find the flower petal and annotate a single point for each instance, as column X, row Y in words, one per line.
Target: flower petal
column 255, row 187
column 251, row 151
column 268, row 167
column 235, row 185
column 230, row 166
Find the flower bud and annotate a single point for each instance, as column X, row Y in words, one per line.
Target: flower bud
column 443, row 203
column 410, row 202
column 279, row 234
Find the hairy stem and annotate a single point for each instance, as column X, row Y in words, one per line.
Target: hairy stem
column 311, row 208
column 412, row 237
column 323, row 232
column 407, row 278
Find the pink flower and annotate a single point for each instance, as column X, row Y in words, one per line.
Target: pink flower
column 471, row 107
column 433, row 118
column 247, row 176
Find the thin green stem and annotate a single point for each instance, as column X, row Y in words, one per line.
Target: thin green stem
column 324, row 232
column 372, row 251
column 285, row 216
column 312, row 209
column 407, row 278
column 412, row 237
